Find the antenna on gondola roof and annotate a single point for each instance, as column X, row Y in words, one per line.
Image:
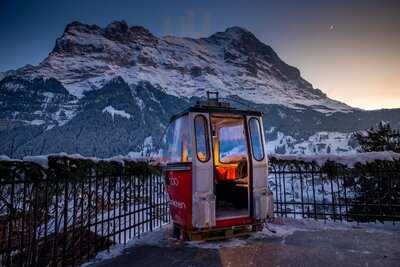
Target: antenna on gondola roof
column 212, row 101
column 215, row 94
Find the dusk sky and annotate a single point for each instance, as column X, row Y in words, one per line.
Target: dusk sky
column 348, row 49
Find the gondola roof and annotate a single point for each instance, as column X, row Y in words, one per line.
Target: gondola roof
column 207, row 108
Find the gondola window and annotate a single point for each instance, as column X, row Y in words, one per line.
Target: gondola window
column 256, row 143
column 179, row 140
column 201, row 133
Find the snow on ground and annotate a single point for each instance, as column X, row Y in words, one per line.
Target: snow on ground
column 112, row 111
column 285, row 227
column 155, row 238
column 289, row 226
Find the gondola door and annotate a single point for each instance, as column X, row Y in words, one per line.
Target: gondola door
column 259, row 167
column 203, row 208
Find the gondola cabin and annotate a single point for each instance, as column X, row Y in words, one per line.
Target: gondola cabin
column 216, row 171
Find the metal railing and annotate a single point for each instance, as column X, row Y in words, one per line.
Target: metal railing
column 64, row 214
column 364, row 193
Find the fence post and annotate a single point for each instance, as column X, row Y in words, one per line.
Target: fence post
column 330, row 175
column 65, row 220
column 10, row 223
column 313, row 191
column 150, row 176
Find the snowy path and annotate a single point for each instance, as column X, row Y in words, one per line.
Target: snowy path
column 295, row 243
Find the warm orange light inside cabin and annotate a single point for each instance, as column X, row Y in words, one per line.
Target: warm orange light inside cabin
column 201, row 156
column 185, row 154
column 226, row 172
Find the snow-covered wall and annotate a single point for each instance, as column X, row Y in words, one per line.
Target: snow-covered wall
column 347, row 160
column 43, row 160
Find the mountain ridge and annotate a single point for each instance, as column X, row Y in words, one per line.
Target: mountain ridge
column 232, row 62
column 110, row 90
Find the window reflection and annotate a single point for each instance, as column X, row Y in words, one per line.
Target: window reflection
column 178, row 141
column 201, row 138
column 256, row 141
column 232, row 143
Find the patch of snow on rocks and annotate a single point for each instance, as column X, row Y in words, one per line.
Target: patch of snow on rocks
column 112, row 111
column 37, row 122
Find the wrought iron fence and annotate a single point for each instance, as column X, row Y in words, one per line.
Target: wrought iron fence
column 64, row 214
column 365, row 192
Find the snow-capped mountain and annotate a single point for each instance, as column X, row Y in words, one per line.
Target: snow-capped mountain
column 103, row 91
column 233, row 62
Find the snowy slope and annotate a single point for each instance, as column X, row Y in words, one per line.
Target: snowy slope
column 318, row 143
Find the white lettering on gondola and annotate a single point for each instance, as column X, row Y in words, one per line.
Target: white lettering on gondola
column 174, row 181
column 178, row 204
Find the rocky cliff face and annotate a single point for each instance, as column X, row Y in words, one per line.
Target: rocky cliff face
column 107, row 91
column 233, row 62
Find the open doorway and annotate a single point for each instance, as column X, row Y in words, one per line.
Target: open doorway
column 231, row 162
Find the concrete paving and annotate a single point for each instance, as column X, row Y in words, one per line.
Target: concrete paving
column 294, row 243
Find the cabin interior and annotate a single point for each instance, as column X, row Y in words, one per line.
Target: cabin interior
column 231, row 161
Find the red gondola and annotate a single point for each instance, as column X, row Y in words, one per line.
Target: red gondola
column 216, row 171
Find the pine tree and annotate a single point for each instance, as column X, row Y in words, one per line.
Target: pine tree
column 382, row 138
column 376, row 188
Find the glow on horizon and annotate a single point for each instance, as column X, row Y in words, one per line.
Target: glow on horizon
column 366, row 84
column 350, row 64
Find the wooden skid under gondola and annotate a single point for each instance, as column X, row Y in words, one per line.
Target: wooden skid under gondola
column 221, row 233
